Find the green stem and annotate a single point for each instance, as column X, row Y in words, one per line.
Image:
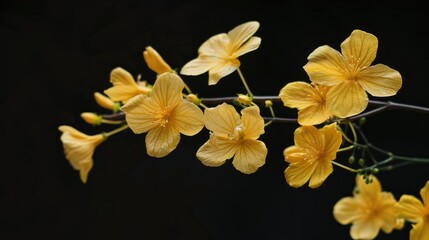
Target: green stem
column 244, row 83
column 108, row 134
column 346, row 148
column 345, row 167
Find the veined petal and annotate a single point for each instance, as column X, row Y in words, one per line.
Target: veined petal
column 294, row 154
column 420, row 231
column 154, row 61
column 121, row 77
column 365, row 228
column 123, row 93
column 253, row 122
column 167, row 90
column 309, row 137
column 388, row 213
column 72, row 131
column 409, row 207
column 326, row 66
column 380, row 80
column 333, row 139
column 188, row 118
column 222, row 69
column 360, row 48
column 297, row 174
column 249, row 46
column 424, row 193
column 85, row 168
column 222, row 119
column 346, row 210
column 139, row 113
column 299, row 95
column 250, row 156
column 160, row 141
column 200, row 65
column 215, row 152
column 216, row 46
column 313, row 115
column 370, row 190
column 346, row 99
column 321, row 172
column 241, row 33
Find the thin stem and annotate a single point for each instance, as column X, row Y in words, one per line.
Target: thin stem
column 244, row 83
column 345, row 167
column 272, row 115
column 114, row 116
column 112, row 121
column 346, row 148
column 108, row 134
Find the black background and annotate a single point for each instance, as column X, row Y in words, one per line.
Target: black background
column 59, row 52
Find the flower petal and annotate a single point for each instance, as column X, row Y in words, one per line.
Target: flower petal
column 154, row 61
column 253, row 122
column 420, row 231
column 167, row 90
column 364, row 228
column 294, row 154
column 241, row 33
column 299, row 95
column 410, row 208
column 326, row 66
column 250, row 156
column 313, row 115
column 346, row 99
column 309, row 137
column 360, row 48
column 370, row 190
column 297, row 174
column 188, row 118
column 139, row 113
column 346, row 210
column 249, row 46
column 380, row 80
column 199, row 65
column 121, row 77
column 215, row 152
column 333, row 140
column 85, row 168
column 322, row 170
column 221, row 119
column 424, row 193
column 222, row 69
column 215, row 46
column 160, row 141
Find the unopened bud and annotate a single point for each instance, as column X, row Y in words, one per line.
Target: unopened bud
column 362, row 121
column 268, row 103
column 244, row 99
column 194, row 99
column 106, row 102
column 352, row 159
column 155, row 62
column 361, row 162
column 91, row 118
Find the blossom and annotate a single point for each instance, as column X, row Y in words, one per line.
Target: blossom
column 369, row 210
column 310, row 158
column 351, row 75
column 309, row 99
column 155, row 62
column 79, row 148
column 163, row 115
column 232, row 136
column 124, row 86
column 219, row 54
column 416, row 211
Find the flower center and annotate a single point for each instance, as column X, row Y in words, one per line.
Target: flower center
column 238, row 133
column 161, row 116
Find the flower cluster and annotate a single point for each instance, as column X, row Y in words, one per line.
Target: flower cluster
column 327, row 105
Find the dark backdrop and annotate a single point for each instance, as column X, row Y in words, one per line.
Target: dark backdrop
column 57, row 53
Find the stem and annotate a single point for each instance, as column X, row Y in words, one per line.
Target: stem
column 108, row 134
column 346, row 148
column 112, row 121
column 345, row 167
column 244, row 83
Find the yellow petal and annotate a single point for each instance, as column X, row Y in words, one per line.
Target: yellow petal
column 241, row 33
column 160, row 141
column 424, row 193
column 215, row 152
column 222, row 69
column 249, row 46
column 187, row 118
column 216, row 46
column 199, row 65
column 294, row 154
column 84, row 170
column 365, row 229
column 321, row 172
column 380, row 80
column 308, row 137
column 122, row 93
column 346, row 210
column 333, row 139
column 388, row 214
column 346, row 99
column 297, row 174
column 155, row 62
column 326, row 66
column 167, row 90
column 119, row 76
column 313, row 115
column 253, row 122
column 72, row 131
column 222, row 119
column 420, row 231
column 360, row 48
column 410, row 208
column 299, row 95
column 250, row 156
column 139, row 113
column 370, row 190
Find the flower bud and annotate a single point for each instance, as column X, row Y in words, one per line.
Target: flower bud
column 155, row 62
column 268, row 103
column 106, row 102
column 194, row 99
column 244, row 99
column 91, row 118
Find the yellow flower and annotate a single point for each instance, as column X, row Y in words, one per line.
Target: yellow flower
column 416, row 211
column 124, row 86
column 163, row 115
column 79, row 148
column 310, row 158
column 309, row 99
column 369, row 210
column 219, row 54
column 155, row 62
column 350, row 74
column 234, row 137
